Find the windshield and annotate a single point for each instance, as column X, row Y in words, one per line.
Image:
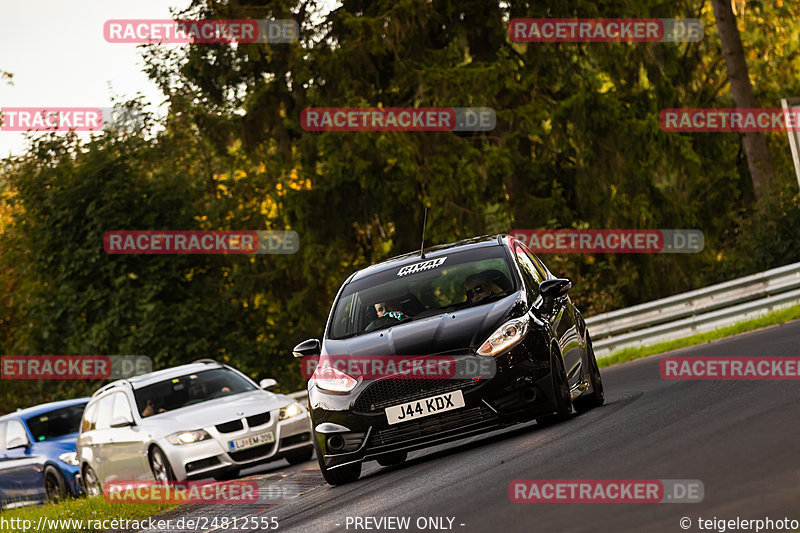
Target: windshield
column 190, row 389
column 56, row 423
column 427, row 288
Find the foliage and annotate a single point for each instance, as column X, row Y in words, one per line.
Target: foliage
column 577, row 145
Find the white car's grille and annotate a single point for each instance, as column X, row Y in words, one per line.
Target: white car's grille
column 230, row 427
column 258, row 420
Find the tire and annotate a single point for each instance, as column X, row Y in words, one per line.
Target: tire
column 597, row 397
column 563, row 400
column 301, row 456
column 90, row 482
column 340, row 475
column 55, row 488
column 227, row 475
column 160, row 467
column 393, row 459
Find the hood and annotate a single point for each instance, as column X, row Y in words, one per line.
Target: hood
column 217, row 411
column 461, row 330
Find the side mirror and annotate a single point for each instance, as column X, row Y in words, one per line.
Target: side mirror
column 550, row 289
column 121, row 422
column 309, row 347
column 268, row 384
column 17, row 443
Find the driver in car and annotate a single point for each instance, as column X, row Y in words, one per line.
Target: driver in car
column 478, row 288
column 150, row 409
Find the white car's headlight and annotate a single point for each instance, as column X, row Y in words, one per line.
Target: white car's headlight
column 330, row 379
column 505, row 337
column 188, row 437
column 71, row 458
column 290, row 411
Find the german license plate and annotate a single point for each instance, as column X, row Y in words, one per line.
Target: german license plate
column 425, row 407
column 252, row 440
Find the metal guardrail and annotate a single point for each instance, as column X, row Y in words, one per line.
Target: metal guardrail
column 695, row 311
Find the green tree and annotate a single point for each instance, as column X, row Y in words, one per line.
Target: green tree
column 755, row 145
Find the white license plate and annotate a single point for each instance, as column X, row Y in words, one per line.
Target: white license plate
column 249, row 442
column 425, row 407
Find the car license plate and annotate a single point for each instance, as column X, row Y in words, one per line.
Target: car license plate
column 249, row 442
column 425, row 407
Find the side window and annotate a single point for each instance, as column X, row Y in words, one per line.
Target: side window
column 104, row 409
column 540, row 267
column 15, row 430
column 532, row 276
column 89, row 420
column 122, row 408
column 2, row 435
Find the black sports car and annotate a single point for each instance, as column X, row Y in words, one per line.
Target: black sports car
column 487, row 299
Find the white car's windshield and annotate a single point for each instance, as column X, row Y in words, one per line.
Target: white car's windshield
column 190, row 389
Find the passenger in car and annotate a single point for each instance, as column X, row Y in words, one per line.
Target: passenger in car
column 388, row 312
column 389, row 308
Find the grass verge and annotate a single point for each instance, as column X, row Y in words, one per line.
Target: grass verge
column 69, row 515
column 769, row 319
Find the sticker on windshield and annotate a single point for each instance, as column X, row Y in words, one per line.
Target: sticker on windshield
column 418, row 267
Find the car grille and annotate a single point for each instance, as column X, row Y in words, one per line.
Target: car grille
column 387, row 392
column 258, row 420
column 432, row 425
column 252, row 453
column 230, row 427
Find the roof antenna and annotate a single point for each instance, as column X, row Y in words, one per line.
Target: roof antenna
column 422, row 246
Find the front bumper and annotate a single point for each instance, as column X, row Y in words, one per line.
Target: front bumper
column 71, row 474
column 213, row 457
column 353, row 427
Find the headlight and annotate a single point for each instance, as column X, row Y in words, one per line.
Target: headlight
column 188, row 437
column 505, row 337
column 71, row 458
column 330, row 379
column 290, row 411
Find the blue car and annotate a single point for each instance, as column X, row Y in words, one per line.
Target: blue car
column 37, row 453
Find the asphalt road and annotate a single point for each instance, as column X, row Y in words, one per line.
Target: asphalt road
column 740, row 438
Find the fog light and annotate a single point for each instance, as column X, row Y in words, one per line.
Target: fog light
column 335, row 442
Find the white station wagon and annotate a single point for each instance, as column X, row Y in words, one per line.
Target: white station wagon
column 200, row 420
